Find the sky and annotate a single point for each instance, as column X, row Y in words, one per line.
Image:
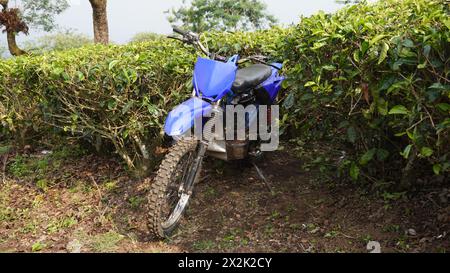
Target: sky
column 128, row 17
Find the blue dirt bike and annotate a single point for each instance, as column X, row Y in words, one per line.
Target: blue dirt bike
column 218, row 82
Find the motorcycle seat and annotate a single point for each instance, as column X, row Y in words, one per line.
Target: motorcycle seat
column 251, row 77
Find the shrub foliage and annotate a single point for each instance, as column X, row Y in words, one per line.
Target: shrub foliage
column 120, row 94
column 372, row 79
column 376, row 77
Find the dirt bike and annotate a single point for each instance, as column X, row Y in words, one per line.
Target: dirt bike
column 218, row 82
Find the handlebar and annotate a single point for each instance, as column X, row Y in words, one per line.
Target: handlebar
column 193, row 38
column 175, row 38
column 180, row 31
column 190, row 38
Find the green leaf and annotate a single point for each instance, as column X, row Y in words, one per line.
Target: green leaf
column 377, row 38
column 447, row 23
column 422, row 66
column 289, row 101
column 412, row 135
column 444, row 107
column 112, row 64
column 364, row 47
column 367, row 157
column 351, row 134
column 152, row 109
column 284, row 85
column 354, row 171
column 127, row 107
column 384, row 52
column 74, row 117
column 369, row 25
column 443, row 125
column 329, row 67
column 407, row 152
column 38, row 246
column 309, row 84
column 318, row 45
column 343, row 124
column 408, row 43
column 396, row 66
column 57, row 71
column 65, row 76
column 382, row 155
column 400, row 134
column 433, row 95
column 382, row 107
column 437, row 168
column 112, row 104
column 125, row 133
column 439, row 86
column 399, row 110
column 426, row 152
column 426, row 50
column 307, row 96
column 81, row 76
column 356, row 56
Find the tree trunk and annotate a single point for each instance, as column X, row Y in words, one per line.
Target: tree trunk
column 100, row 18
column 12, row 45
column 11, row 36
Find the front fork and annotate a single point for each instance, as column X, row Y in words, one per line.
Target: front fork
column 193, row 174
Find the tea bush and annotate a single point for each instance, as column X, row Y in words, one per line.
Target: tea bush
column 371, row 79
column 120, row 94
column 377, row 78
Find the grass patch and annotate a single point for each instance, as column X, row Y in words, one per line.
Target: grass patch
column 38, row 246
column 204, row 245
column 5, row 149
column 19, row 168
column 57, row 225
column 107, row 242
column 136, row 202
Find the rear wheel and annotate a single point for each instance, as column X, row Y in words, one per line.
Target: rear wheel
column 172, row 189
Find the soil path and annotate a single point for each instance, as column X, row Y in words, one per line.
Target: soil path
column 102, row 210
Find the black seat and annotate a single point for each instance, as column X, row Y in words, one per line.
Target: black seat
column 250, row 77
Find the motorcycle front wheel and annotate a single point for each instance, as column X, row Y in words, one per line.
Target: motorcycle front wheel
column 172, row 188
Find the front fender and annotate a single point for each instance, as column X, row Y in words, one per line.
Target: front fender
column 182, row 118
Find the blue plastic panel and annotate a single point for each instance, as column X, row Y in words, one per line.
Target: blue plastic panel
column 274, row 83
column 213, row 79
column 182, row 118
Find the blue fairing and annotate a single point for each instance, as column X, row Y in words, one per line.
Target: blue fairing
column 182, row 118
column 213, row 79
column 274, row 83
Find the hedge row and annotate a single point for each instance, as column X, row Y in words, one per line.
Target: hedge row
column 377, row 78
column 120, row 94
column 372, row 77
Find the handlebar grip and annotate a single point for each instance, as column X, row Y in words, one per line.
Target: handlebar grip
column 179, row 31
column 174, row 38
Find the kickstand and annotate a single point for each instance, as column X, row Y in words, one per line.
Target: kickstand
column 263, row 178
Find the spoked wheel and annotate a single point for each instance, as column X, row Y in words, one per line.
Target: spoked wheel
column 172, row 189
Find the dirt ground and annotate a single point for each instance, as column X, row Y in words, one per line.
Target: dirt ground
column 86, row 203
